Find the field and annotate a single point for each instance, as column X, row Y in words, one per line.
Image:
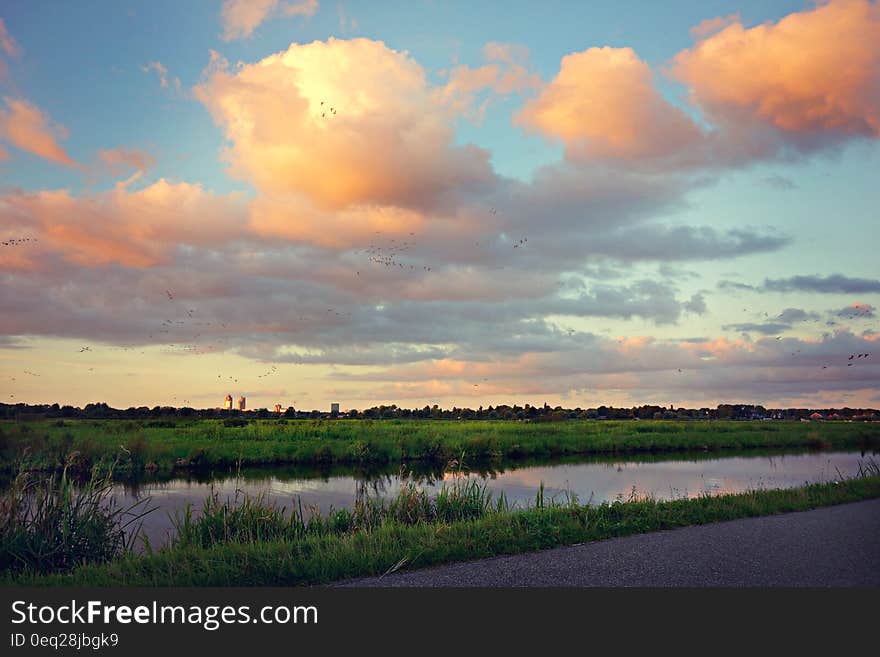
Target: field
column 165, row 446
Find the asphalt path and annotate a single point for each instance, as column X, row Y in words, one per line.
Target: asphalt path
column 837, row 546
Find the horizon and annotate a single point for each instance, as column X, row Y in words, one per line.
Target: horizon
column 543, row 407
column 313, row 202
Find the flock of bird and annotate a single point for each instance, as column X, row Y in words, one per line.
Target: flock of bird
column 325, row 110
column 17, row 241
column 387, row 254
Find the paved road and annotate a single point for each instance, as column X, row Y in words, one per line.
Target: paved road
column 833, row 546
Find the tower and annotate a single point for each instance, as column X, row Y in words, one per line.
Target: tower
column 241, row 403
column 228, row 403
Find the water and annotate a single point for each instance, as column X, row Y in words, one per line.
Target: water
column 592, row 481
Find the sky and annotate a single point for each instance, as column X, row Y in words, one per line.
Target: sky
column 452, row 203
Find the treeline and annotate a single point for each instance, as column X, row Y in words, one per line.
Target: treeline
column 545, row 413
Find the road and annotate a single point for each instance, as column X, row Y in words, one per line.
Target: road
column 837, row 546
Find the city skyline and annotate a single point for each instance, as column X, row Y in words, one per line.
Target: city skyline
column 313, row 202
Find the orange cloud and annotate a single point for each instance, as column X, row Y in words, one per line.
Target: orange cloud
column 812, row 72
column 26, row 127
column 339, row 125
column 711, row 25
column 241, row 17
column 602, row 104
column 341, row 229
column 118, row 160
column 135, row 229
column 505, row 74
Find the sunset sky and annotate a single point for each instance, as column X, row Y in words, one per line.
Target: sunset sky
column 453, row 203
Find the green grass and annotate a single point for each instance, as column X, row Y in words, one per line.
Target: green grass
column 167, row 446
column 250, row 544
column 51, row 524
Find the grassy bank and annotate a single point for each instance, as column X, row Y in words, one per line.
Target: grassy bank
column 166, row 446
column 247, row 543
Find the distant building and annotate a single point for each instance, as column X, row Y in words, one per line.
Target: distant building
column 227, row 405
column 241, row 403
column 334, row 408
column 277, row 408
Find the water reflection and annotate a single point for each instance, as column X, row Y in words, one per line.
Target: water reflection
column 593, row 480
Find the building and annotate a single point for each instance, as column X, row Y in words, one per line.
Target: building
column 277, row 408
column 334, row 408
column 241, row 403
column 227, row 405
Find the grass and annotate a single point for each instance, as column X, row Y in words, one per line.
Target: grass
column 54, row 525
column 171, row 446
column 251, row 520
column 248, row 543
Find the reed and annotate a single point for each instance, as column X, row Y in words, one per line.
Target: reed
column 54, row 524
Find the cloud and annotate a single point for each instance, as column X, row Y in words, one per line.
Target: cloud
column 856, row 311
column 831, row 284
column 767, row 328
column 779, row 182
column 834, row 283
column 642, row 369
column 26, row 127
column 734, row 285
column 505, row 73
column 302, row 8
column 810, row 79
column 779, row 324
column 340, row 124
column 131, row 228
column 709, row 26
column 7, row 43
column 121, row 159
column 793, row 315
column 241, row 17
column 696, row 304
column 161, row 72
column 603, row 105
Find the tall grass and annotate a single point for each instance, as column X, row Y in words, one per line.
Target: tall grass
column 53, row 524
column 246, row 519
